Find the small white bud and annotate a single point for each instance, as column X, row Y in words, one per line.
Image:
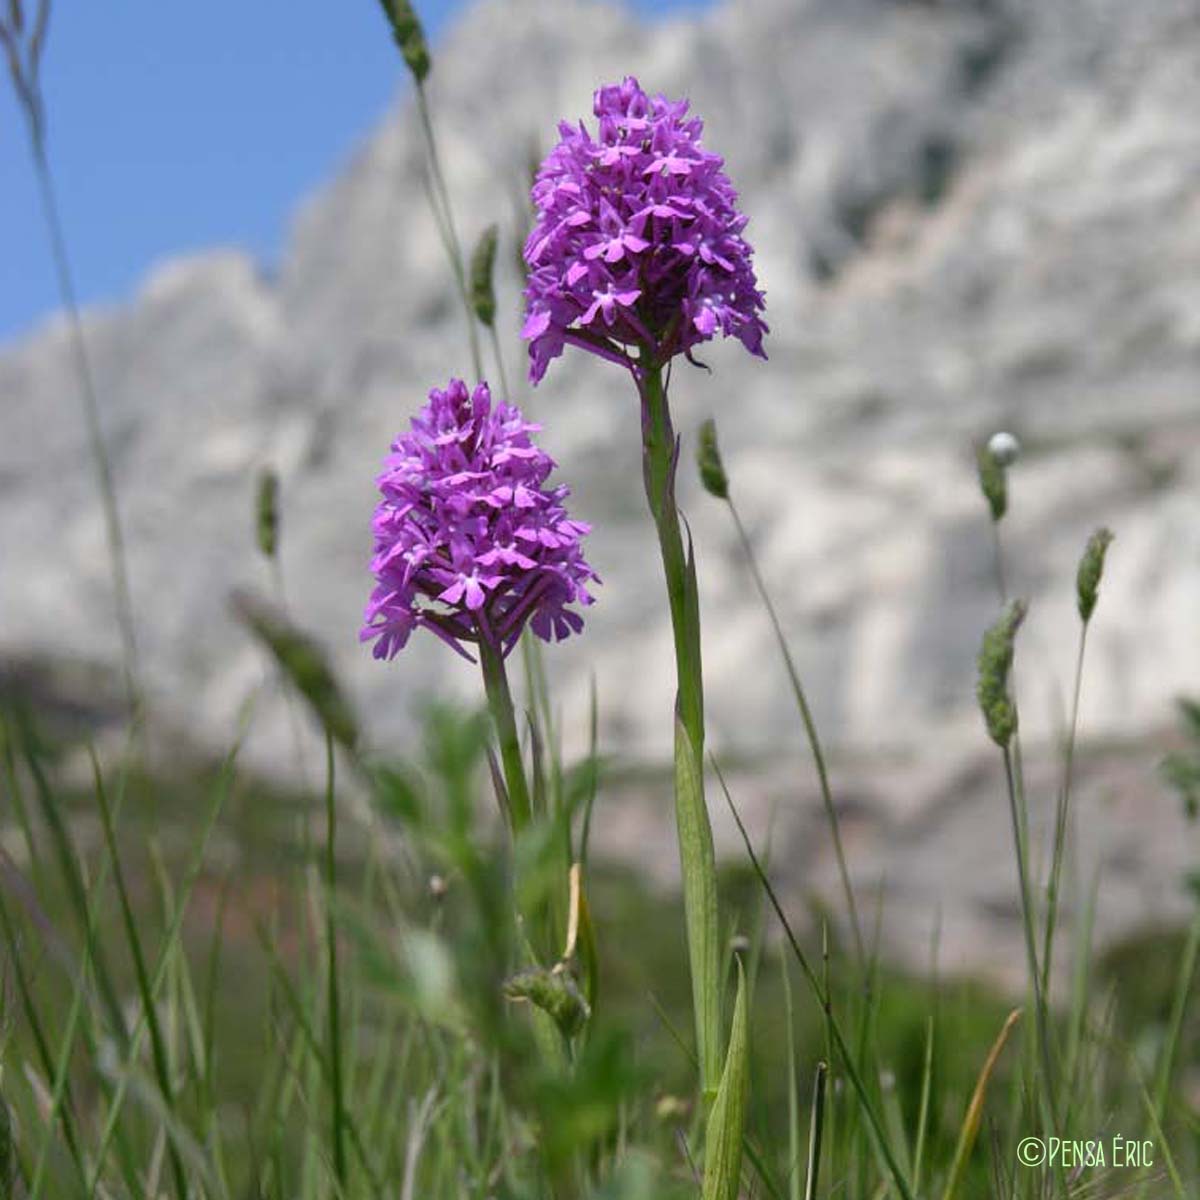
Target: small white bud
column 1004, row 448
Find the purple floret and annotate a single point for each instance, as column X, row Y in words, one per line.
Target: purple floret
column 638, row 241
column 469, row 541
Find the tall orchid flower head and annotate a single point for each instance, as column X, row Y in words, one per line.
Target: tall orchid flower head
column 637, row 247
column 470, row 542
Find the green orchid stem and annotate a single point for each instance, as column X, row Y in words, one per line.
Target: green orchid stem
column 495, row 680
column 659, row 453
column 697, row 859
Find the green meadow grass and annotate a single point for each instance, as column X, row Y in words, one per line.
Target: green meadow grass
column 441, row 1085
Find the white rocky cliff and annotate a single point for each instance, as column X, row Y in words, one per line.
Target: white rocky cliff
column 967, row 216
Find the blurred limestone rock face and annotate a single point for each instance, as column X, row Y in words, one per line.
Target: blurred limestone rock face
column 968, row 216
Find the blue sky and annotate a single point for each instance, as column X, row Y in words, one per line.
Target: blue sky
column 174, row 126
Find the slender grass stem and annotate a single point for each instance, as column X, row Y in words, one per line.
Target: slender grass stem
column 998, row 562
column 1170, row 1046
column 73, row 1024
column 839, row 1041
column 76, row 891
column 793, row 1172
column 446, row 218
column 30, row 1008
column 499, row 353
column 814, row 1133
column 316, row 1058
column 61, row 1077
column 810, row 730
column 1027, row 924
column 1077, row 1017
column 830, row 1054
column 122, row 594
column 923, row 1107
column 334, row 984
column 162, row 1069
column 112, row 1127
column 1061, row 818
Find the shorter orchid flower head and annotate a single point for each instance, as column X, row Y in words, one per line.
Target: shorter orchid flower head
column 470, row 542
column 637, row 245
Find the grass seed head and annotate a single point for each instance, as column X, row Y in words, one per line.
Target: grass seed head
column 409, row 35
column 1091, row 571
column 708, row 458
column 267, row 512
column 993, row 481
column 483, row 262
column 995, row 664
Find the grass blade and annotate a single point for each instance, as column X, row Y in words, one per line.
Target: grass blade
column 970, row 1126
column 334, row 993
column 726, row 1126
column 839, row 1040
column 162, row 1071
column 810, row 732
column 793, row 1087
column 815, row 1130
column 1183, row 989
column 923, row 1109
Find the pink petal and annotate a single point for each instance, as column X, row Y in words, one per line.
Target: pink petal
column 536, row 324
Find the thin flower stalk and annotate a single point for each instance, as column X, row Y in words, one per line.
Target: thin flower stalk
column 998, row 706
column 716, row 482
column 444, row 214
column 409, row 36
column 483, row 294
column 23, row 53
column 1088, row 577
column 838, row 1047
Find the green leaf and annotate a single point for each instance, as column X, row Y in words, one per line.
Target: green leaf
column 971, row 1122
column 698, row 866
column 723, row 1143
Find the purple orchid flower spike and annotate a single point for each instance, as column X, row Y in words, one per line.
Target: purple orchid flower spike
column 470, row 542
column 637, row 254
